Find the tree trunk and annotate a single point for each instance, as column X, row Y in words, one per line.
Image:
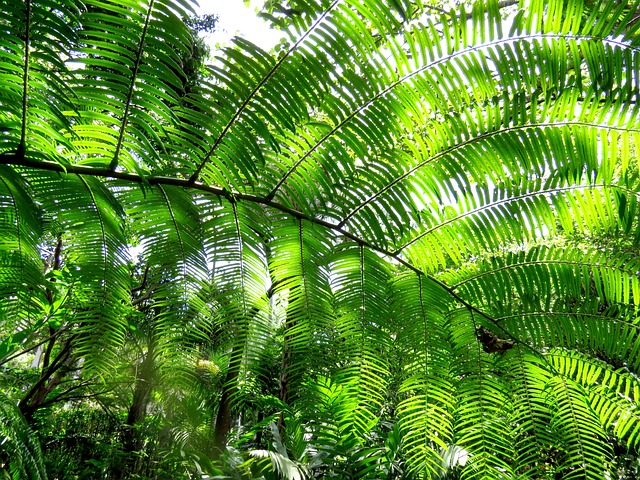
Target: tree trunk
column 50, row 377
column 223, row 418
column 132, row 441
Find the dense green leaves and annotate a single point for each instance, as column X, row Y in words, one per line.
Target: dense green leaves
column 408, row 237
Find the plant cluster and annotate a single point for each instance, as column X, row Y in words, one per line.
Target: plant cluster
column 404, row 244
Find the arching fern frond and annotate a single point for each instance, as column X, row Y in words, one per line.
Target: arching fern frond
column 129, row 80
column 96, row 257
column 480, row 417
column 167, row 227
column 585, row 452
column 448, row 196
column 556, row 271
column 38, row 38
column 235, row 248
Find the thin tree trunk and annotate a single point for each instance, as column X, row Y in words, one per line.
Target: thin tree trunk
column 51, row 376
column 132, row 441
column 223, row 418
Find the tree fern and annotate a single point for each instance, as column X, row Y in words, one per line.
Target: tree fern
column 451, row 196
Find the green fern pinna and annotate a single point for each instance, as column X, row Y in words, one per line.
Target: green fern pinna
column 406, row 238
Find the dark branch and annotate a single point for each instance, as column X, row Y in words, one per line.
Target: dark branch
column 12, row 159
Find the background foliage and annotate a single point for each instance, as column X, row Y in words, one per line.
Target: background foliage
column 403, row 244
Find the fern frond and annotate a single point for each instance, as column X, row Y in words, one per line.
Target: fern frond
column 235, row 247
column 298, row 265
column 38, row 38
column 483, row 406
column 21, row 269
column 533, row 438
column 612, row 392
column 167, row 225
column 359, row 283
column 130, row 79
column 539, row 275
column 257, row 105
column 425, row 412
column 95, row 247
column 586, row 452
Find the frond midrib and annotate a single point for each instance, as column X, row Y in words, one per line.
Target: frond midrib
column 506, row 200
column 219, row 139
column 409, row 76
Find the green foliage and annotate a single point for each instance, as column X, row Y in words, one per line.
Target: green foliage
column 20, row 455
column 403, row 246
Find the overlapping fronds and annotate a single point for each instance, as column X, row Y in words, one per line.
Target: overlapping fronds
column 91, row 223
column 534, row 441
column 610, row 392
column 37, row 39
column 543, row 274
column 236, row 250
column 585, row 451
column 21, row 270
column 299, row 271
column 425, row 411
column 174, row 285
column 337, row 446
column 19, row 450
column 454, row 190
column 128, row 79
column 480, row 418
